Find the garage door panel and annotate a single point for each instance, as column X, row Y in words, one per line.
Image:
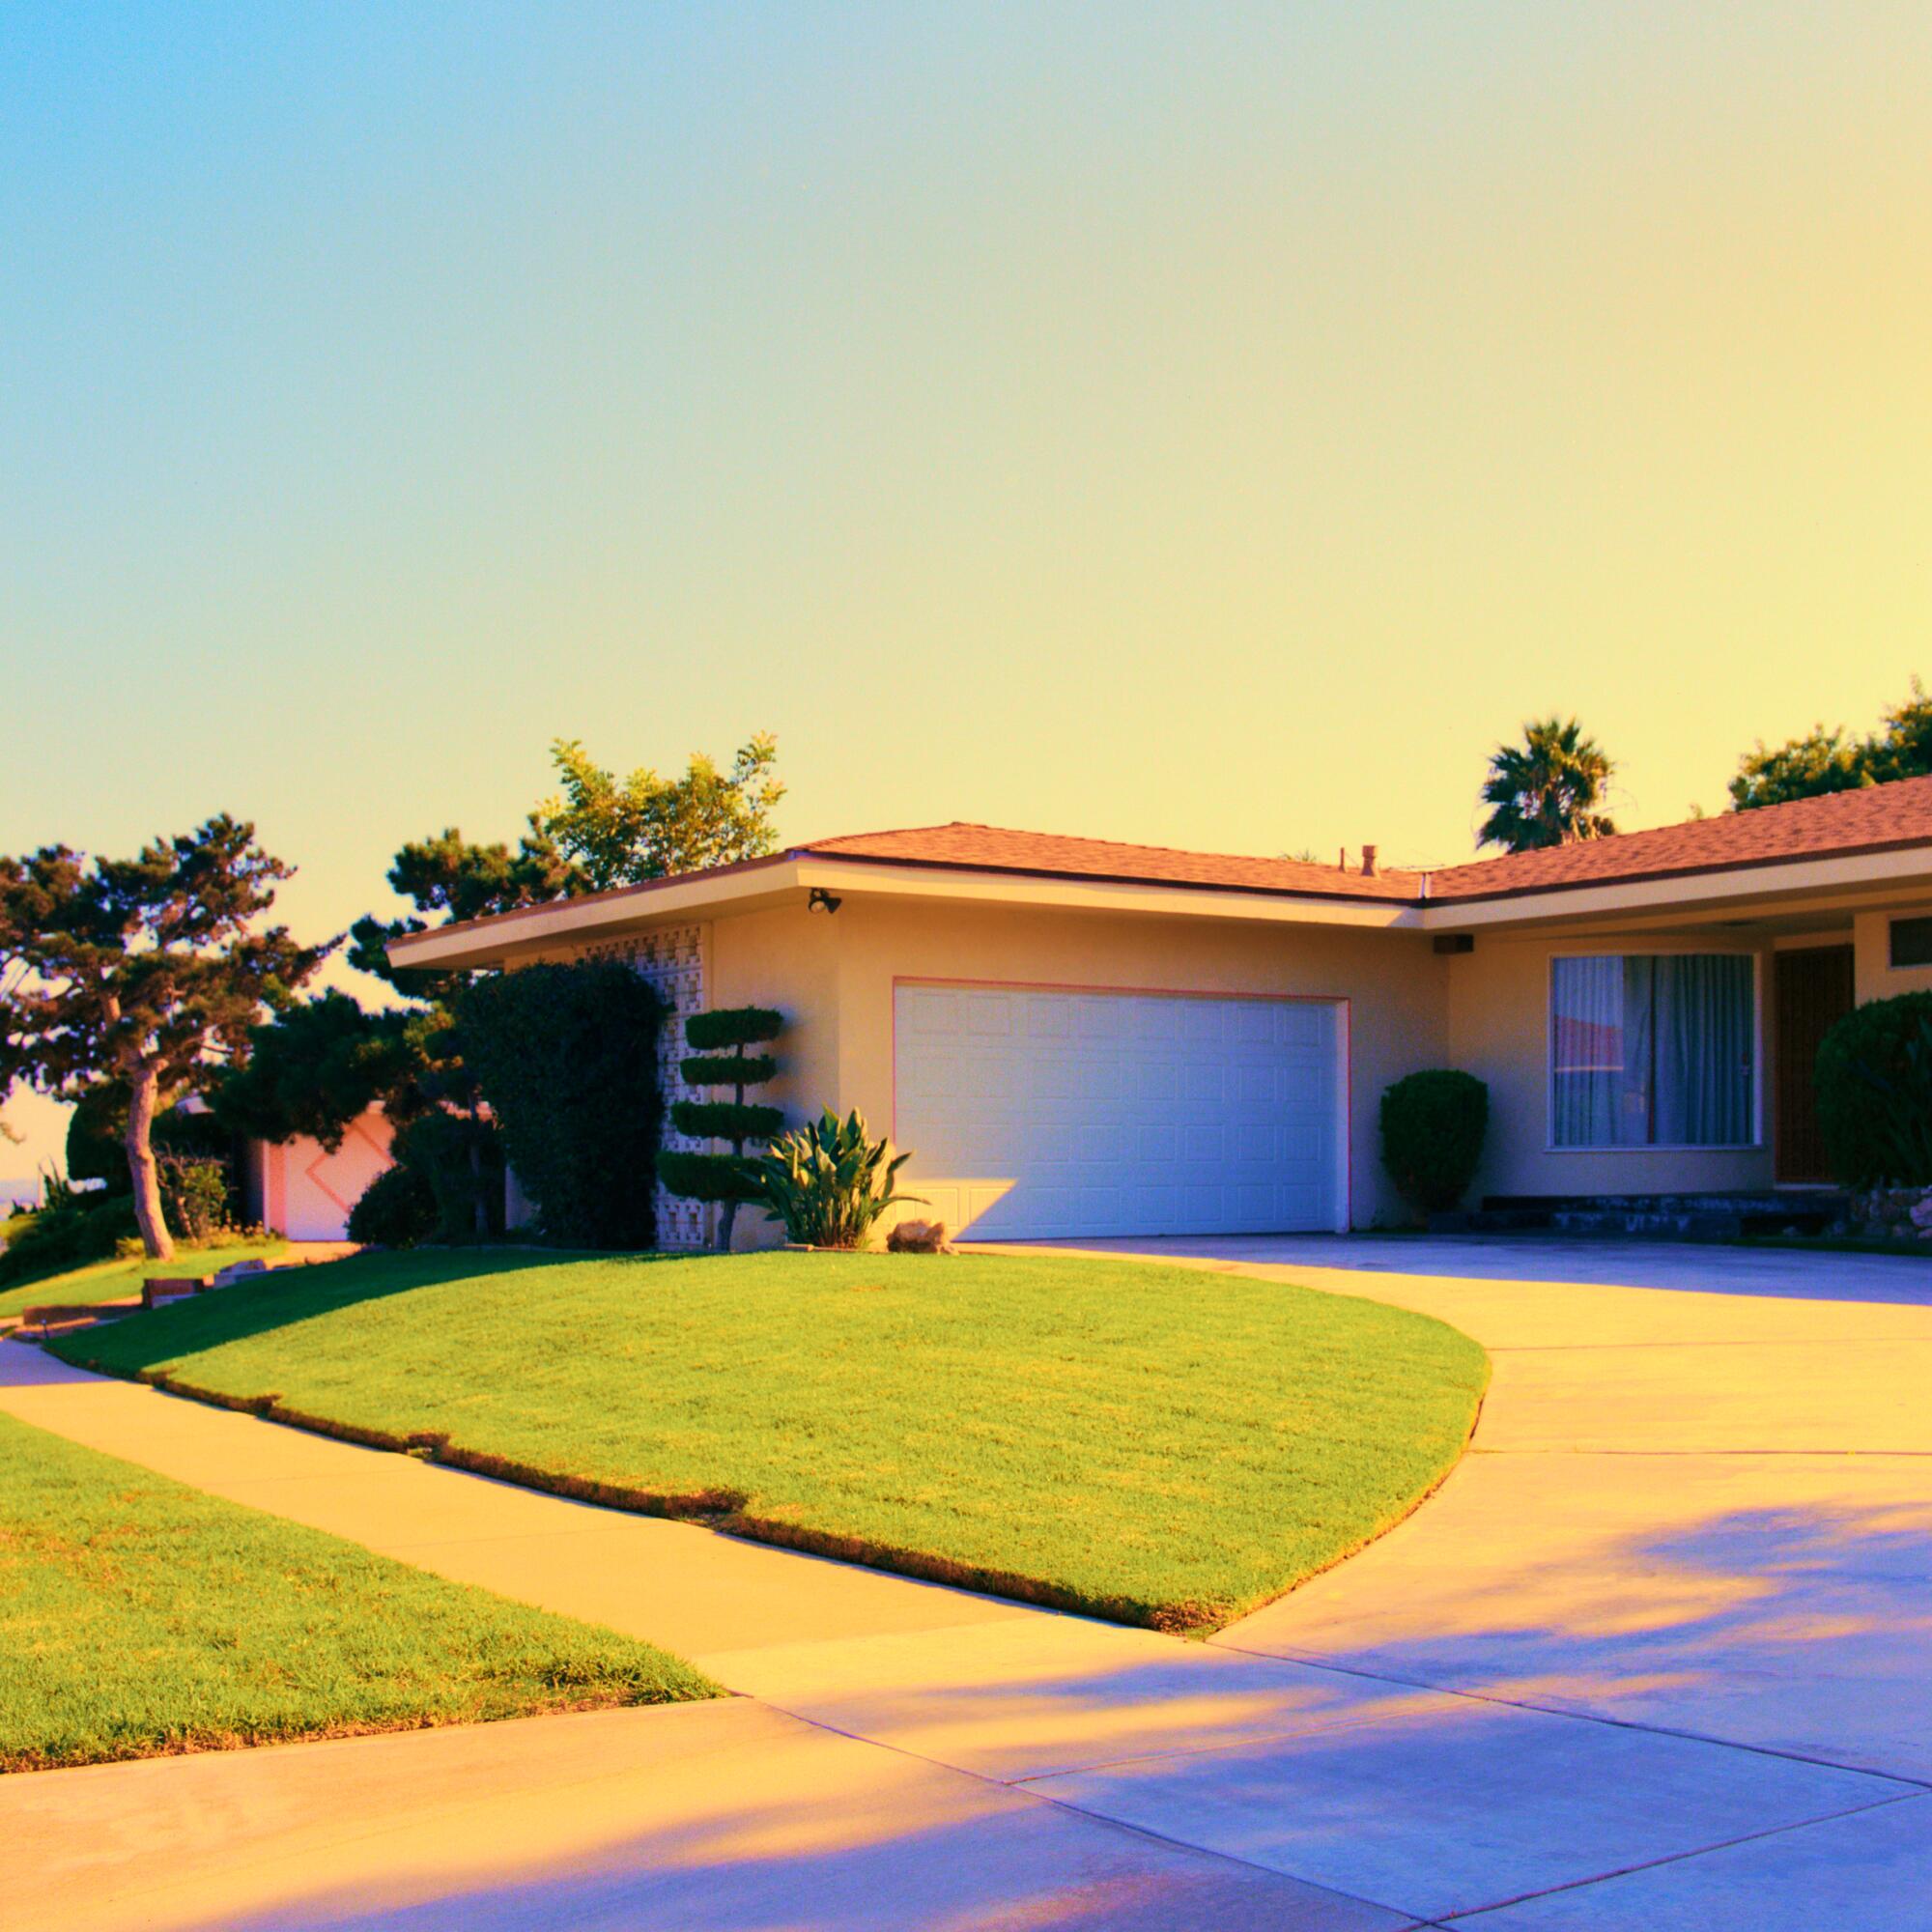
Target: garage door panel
column 1094, row 1113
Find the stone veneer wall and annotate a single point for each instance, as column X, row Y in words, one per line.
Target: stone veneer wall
column 672, row 961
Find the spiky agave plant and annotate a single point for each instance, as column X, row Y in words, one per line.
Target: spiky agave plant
column 828, row 1182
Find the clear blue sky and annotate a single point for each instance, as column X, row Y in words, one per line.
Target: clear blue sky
column 1206, row 425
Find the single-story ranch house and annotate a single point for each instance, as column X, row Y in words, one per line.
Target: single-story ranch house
column 1078, row 1037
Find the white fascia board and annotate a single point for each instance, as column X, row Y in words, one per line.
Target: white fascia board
column 717, row 893
column 1688, row 891
column 1047, row 892
column 578, row 920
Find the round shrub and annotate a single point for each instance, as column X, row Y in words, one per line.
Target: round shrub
column 1432, row 1126
column 1873, row 1082
column 397, row 1209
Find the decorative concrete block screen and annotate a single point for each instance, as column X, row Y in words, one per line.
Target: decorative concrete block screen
column 672, row 961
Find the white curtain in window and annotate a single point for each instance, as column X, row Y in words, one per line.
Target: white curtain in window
column 1650, row 1050
column 1703, row 1050
column 1600, row 1045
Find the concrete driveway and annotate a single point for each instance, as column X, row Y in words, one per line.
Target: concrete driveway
column 1656, row 1655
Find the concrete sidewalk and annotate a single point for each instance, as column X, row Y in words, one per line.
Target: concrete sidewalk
column 1656, row 1657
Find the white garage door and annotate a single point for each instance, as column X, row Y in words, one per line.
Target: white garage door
column 1036, row 1114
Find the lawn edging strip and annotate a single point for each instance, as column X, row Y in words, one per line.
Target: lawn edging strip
column 719, row 1510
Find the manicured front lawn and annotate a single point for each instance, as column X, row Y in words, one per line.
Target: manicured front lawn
column 139, row 1617
column 1158, row 1444
column 111, row 1280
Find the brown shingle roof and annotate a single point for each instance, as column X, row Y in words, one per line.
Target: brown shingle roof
column 1845, row 822
column 1874, row 819
column 990, row 848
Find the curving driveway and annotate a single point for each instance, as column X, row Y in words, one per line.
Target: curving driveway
column 1656, row 1655
column 1698, row 1506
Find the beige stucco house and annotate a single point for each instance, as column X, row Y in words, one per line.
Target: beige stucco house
column 1077, row 1037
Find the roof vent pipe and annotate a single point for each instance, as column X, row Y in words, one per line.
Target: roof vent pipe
column 1370, row 869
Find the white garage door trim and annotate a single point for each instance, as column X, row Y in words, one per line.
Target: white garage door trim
column 961, row 1199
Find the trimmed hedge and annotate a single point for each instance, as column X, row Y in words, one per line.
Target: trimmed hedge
column 397, row 1209
column 729, row 1069
column 709, row 1177
column 1432, row 1126
column 733, row 1026
column 726, row 1120
column 567, row 1059
column 1873, row 1082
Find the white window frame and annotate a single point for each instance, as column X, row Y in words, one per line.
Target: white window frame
column 1756, row 1143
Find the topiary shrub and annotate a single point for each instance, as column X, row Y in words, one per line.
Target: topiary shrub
column 1874, row 1083
column 397, row 1209
column 566, row 1058
column 729, row 1178
column 1432, row 1126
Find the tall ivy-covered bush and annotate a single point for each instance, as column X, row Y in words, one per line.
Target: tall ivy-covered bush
column 719, row 1039
column 567, row 1057
column 1873, row 1082
column 1432, row 1126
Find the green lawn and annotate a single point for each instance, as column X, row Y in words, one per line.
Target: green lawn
column 110, row 1280
column 139, row 1617
column 1158, row 1444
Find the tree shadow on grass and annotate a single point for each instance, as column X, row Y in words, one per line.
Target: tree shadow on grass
column 284, row 1297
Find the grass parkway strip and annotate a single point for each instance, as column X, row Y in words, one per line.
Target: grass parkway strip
column 1157, row 1445
column 139, row 1617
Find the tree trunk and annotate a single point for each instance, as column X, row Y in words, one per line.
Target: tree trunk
column 143, row 1169
column 729, row 1218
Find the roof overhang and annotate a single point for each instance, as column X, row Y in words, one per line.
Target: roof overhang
column 1719, row 891
column 789, row 878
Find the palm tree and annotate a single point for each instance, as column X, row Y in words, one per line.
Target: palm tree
column 1546, row 791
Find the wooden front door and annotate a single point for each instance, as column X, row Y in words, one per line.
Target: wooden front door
column 1811, row 992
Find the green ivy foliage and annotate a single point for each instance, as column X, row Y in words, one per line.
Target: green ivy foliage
column 1873, row 1082
column 1432, row 1126
column 567, row 1057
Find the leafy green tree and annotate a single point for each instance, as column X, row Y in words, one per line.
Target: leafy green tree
column 1822, row 761
column 145, row 972
column 619, row 832
column 1547, row 790
column 321, row 1063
